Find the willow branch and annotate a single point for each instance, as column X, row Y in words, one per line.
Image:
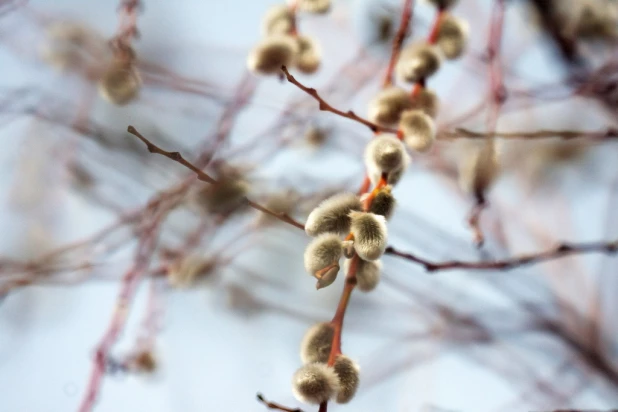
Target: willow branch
column 608, row 133
column 276, row 406
column 325, row 106
column 201, row 175
column 559, row 251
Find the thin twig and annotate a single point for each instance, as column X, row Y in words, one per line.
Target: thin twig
column 406, row 16
column 608, row 133
column 325, row 106
column 273, row 405
column 561, row 250
column 177, row 157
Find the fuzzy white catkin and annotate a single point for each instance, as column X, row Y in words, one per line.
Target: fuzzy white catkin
column 386, row 107
column 323, row 251
column 315, row 383
column 348, row 373
column 279, row 19
column 427, row 101
column 416, row 62
column 452, row 36
column 479, row 170
column 419, row 130
column 268, row 56
column 315, row 6
column 383, row 203
column 332, row 215
column 368, row 273
column 393, row 177
column 120, row 83
column 370, row 235
column 317, row 343
column 385, row 153
column 308, row 57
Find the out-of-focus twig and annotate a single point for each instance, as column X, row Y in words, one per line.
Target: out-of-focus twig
column 562, row 250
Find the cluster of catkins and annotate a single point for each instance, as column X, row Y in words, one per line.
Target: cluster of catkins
column 282, row 45
column 414, row 116
column 316, row 381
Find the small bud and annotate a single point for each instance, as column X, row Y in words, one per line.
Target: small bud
column 144, row 362
column 120, row 83
column 385, row 153
column 452, row 36
column 427, row 101
column 417, row 62
column 370, row 234
column 479, row 170
column 321, row 254
column 315, row 6
column 308, row 58
column 317, row 343
column 442, row 4
column 383, row 203
column 368, row 273
column 315, row 383
column 269, row 55
column 316, row 136
column 386, row 108
column 348, row 373
column 419, row 130
column 189, row 270
column 278, row 20
column 332, row 215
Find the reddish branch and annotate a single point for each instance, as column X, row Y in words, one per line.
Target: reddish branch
column 177, row 157
column 561, row 250
column 406, row 16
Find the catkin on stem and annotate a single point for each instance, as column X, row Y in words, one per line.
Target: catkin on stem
column 370, row 235
column 315, row 383
column 386, row 107
column 272, row 53
column 452, row 36
column 419, row 130
column 332, row 215
column 120, row 83
column 348, row 373
column 368, row 273
column 322, row 256
column 317, row 343
column 417, row 62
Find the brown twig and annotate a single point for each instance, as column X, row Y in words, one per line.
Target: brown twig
column 276, row 406
column 608, row 133
column 325, row 106
column 561, row 250
column 177, row 157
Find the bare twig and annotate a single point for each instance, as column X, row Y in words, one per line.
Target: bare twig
column 562, row 250
column 276, row 406
column 325, row 106
column 177, row 157
column 609, row 133
column 406, row 16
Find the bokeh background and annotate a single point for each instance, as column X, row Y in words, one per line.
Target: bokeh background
column 538, row 337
